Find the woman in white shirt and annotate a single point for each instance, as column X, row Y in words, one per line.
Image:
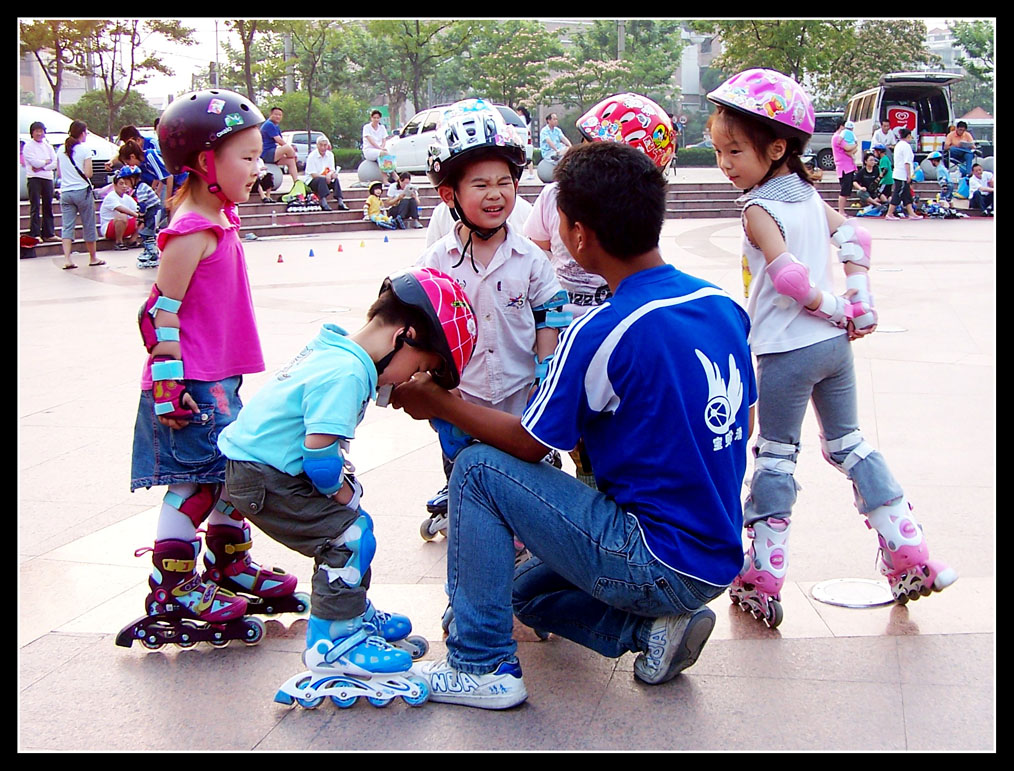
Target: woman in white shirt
column 40, row 162
column 76, row 197
column 374, row 137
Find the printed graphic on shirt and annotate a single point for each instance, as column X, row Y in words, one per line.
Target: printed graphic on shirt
column 724, row 401
column 747, row 278
column 283, row 373
column 516, row 302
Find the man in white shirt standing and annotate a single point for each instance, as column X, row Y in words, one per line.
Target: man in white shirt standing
column 40, row 163
column 904, row 167
column 321, row 174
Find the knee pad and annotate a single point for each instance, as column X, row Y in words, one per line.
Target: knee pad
column 846, row 452
column 775, row 456
column 359, row 538
column 197, row 505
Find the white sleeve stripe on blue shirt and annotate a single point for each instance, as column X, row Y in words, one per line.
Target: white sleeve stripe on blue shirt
column 601, row 395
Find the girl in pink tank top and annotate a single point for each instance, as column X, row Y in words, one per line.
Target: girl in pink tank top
column 199, row 328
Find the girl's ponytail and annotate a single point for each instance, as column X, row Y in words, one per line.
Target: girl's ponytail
column 77, row 128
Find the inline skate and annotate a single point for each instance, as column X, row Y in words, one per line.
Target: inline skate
column 396, row 630
column 904, row 555
column 757, row 588
column 436, row 522
column 346, row 661
column 228, row 564
column 184, row 609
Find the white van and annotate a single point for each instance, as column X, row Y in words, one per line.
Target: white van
column 919, row 101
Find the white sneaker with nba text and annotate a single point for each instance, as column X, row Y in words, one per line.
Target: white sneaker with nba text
column 500, row 689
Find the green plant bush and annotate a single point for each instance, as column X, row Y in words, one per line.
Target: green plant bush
column 696, row 156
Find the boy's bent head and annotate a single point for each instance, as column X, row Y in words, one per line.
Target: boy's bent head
column 615, row 191
column 430, row 302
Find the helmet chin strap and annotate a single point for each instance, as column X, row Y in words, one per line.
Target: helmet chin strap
column 458, row 213
column 211, row 179
column 400, row 340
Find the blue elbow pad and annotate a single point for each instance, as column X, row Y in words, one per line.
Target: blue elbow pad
column 325, row 467
column 551, row 313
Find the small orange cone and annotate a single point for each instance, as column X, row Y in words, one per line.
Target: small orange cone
column 339, row 247
column 280, row 258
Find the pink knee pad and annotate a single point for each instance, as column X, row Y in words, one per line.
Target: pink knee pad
column 198, row 505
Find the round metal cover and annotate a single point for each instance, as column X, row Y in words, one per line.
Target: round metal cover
column 853, row 593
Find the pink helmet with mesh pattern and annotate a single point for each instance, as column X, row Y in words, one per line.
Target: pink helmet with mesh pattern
column 452, row 329
column 770, row 96
column 634, row 120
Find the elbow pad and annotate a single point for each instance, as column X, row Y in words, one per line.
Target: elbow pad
column 325, row 467
column 551, row 313
column 855, row 244
column 792, row 279
column 150, row 334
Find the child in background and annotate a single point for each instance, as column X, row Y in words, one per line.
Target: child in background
column 801, row 334
column 149, row 215
column 289, row 473
column 628, row 118
column 118, row 213
column 374, row 209
column 199, row 328
column 943, row 176
column 515, row 294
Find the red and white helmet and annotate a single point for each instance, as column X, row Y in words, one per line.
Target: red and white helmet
column 635, row 120
column 770, row 96
column 453, row 330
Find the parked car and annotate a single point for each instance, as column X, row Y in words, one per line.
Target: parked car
column 820, row 142
column 298, row 140
column 919, row 101
column 705, row 143
column 412, row 144
column 57, row 125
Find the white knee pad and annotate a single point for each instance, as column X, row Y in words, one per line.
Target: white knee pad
column 853, row 444
column 775, row 456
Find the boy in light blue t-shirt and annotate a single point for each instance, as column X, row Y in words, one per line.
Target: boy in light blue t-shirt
column 287, row 472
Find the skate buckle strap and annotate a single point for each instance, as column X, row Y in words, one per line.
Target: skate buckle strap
column 350, row 642
column 785, row 460
column 173, row 565
column 226, row 508
column 232, row 548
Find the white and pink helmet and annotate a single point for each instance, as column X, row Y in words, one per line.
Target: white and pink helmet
column 770, row 96
column 453, row 330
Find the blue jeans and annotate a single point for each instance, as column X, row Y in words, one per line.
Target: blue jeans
column 965, row 157
column 591, row 579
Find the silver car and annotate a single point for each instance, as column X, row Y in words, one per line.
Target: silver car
column 820, row 142
column 412, row 144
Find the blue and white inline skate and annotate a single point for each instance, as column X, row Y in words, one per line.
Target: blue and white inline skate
column 346, row 661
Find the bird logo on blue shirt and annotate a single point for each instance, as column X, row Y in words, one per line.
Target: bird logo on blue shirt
column 723, row 401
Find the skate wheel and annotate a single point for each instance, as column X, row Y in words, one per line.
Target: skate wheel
column 344, row 702
column 379, row 701
column 422, row 698
column 221, row 642
column 420, row 646
column 424, row 531
column 304, row 602
column 186, row 639
column 307, row 703
column 774, row 615
column 150, row 642
column 255, row 631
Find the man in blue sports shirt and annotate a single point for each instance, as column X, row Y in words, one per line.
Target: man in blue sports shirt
column 659, row 383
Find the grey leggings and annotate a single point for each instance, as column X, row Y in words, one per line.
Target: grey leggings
column 786, row 382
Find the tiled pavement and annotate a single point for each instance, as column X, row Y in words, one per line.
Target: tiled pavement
column 920, row 677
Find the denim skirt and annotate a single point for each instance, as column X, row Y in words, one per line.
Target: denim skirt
column 166, row 456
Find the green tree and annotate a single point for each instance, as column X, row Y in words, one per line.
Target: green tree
column 420, row 45
column 311, row 38
column 56, row 44
column 267, row 65
column 581, row 85
column 832, row 58
column 651, row 49
column 117, row 59
column 92, row 108
column 977, row 57
column 506, row 61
